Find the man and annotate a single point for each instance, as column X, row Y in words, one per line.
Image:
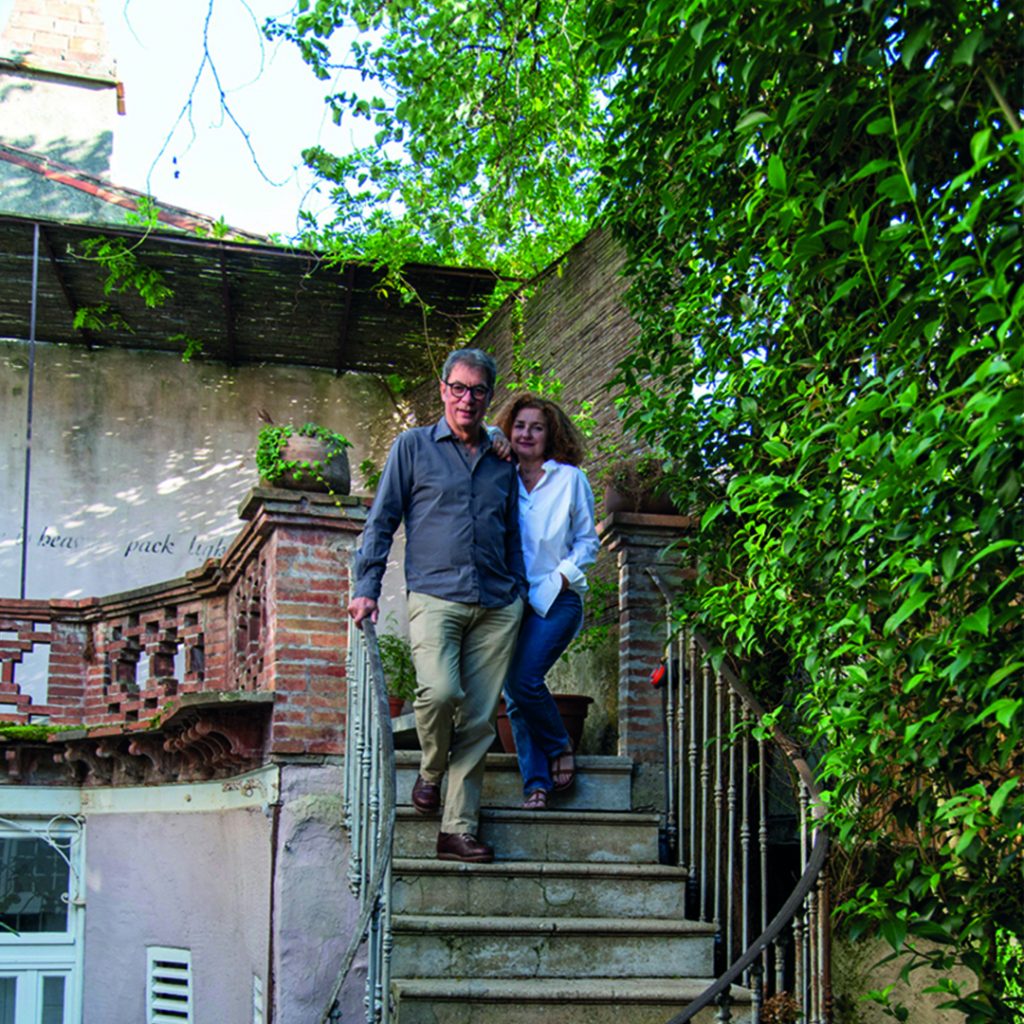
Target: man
column 466, row 583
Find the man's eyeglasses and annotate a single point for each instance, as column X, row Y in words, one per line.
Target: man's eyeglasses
column 458, row 389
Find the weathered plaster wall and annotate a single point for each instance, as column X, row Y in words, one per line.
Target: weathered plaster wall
column 61, row 100
column 315, row 909
column 139, row 461
column 858, row 968
column 69, row 121
column 194, row 881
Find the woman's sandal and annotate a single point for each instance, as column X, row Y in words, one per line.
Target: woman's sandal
column 536, row 801
column 563, row 771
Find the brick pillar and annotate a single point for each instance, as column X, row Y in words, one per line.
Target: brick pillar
column 308, row 541
column 639, row 542
column 65, row 692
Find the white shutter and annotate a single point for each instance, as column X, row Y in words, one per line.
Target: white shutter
column 257, row 999
column 169, row 986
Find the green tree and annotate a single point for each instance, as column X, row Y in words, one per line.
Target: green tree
column 821, row 203
column 821, row 206
column 488, row 129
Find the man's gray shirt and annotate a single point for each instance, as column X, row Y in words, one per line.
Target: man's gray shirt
column 461, row 521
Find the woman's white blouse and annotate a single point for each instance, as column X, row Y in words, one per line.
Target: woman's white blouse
column 556, row 520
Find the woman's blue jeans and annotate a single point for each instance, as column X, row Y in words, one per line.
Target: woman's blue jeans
column 536, row 724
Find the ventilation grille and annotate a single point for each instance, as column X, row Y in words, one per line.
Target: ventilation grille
column 257, row 999
column 169, row 988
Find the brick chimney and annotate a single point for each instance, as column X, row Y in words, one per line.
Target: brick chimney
column 61, row 94
column 62, row 36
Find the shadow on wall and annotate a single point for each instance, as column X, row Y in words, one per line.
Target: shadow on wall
column 139, row 462
column 28, row 193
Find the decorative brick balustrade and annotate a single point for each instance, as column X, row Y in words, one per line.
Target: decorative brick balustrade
column 239, row 661
column 639, row 542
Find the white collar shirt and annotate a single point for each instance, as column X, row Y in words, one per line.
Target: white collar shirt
column 556, row 521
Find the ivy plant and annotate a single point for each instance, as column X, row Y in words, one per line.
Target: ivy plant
column 821, row 207
column 271, row 451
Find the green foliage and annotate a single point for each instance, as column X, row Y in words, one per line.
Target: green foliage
column 822, row 210
column 396, row 660
column 124, row 271
column 192, row 347
column 272, row 441
column 31, row 733
column 371, row 473
column 528, row 373
column 487, row 129
column 99, row 318
column 637, row 477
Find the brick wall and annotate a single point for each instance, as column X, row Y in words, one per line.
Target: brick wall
column 573, row 321
column 263, row 627
column 59, row 35
column 641, row 543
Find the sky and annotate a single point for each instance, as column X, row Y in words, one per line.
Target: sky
column 206, row 166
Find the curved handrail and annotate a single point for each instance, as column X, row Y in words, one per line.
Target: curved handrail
column 724, row 982
column 382, row 861
column 815, row 863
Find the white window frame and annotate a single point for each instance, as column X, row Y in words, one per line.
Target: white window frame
column 31, row 957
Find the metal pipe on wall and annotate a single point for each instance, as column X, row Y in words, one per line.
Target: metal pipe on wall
column 28, row 411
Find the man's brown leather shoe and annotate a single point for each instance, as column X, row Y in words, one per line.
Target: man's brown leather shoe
column 464, row 847
column 426, row 796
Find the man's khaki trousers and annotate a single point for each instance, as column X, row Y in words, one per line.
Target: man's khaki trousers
column 461, row 653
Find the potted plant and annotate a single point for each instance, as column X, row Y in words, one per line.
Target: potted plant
column 636, row 484
column 399, row 673
column 308, row 458
column 572, row 707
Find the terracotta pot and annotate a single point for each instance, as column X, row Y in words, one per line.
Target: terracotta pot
column 572, row 707
column 645, row 501
column 395, row 706
column 334, row 471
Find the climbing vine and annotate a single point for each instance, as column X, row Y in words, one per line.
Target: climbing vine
column 821, row 205
column 117, row 258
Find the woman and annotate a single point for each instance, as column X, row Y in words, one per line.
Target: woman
column 556, row 519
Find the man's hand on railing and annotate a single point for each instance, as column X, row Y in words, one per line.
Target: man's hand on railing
column 363, row 607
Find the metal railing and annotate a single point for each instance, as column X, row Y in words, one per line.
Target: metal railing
column 369, row 810
column 743, row 819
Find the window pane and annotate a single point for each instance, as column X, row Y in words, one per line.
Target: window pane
column 53, row 1000
column 33, row 879
column 8, row 989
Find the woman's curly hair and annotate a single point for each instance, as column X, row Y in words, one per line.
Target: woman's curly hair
column 565, row 442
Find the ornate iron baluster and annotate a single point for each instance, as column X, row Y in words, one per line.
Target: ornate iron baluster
column 369, row 810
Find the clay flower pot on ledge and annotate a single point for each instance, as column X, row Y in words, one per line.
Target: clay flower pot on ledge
column 307, row 458
column 572, row 707
column 636, row 484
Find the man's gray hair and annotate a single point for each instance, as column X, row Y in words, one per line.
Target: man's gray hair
column 475, row 357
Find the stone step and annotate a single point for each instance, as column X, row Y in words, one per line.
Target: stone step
column 571, row 889
column 602, row 783
column 437, row 946
column 591, row 836
column 553, row 1001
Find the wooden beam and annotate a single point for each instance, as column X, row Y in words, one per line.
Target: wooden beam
column 68, row 292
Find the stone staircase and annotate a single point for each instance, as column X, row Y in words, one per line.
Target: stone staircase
column 575, row 921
